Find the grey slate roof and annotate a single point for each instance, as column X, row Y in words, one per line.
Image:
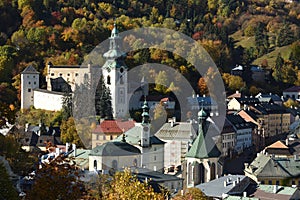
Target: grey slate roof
column 238, row 122
column 215, row 188
column 266, row 166
column 179, row 131
column 115, row 148
column 30, row 70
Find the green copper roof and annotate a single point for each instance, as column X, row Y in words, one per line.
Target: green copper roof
column 202, row 114
column 133, row 136
column 203, row 147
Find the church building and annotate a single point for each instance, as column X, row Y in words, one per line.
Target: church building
column 203, row 156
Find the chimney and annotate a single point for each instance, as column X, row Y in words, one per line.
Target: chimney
column 238, row 180
column 174, row 119
column 275, row 189
column 234, row 183
column 225, row 183
column 172, row 123
column 197, row 95
column 26, row 127
column 74, row 149
column 244, row 194
column 287, row 142
column 67, row 146
column 57, row 151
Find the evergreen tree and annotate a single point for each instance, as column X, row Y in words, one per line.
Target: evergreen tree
column 67, row 105
column 277, row 74
column 108, row 106
column 285, row 36
column 103, row 100
column 261, row 40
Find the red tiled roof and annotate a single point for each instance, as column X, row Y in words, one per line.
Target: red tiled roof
column 114, row 126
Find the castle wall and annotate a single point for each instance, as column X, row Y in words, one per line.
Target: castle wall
column 47, row 100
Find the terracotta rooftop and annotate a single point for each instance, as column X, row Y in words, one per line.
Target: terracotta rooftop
column 277, row 145
column 114, row 126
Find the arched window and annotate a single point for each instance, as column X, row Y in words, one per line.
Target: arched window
column 108, row 80
column 95, row 164
column 190, row 173
column 213, row 171
column 114, row 164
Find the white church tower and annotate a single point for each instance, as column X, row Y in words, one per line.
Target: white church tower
column 29, row 82
column 115, row 75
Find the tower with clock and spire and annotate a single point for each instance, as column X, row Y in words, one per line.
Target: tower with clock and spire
column 114, row 72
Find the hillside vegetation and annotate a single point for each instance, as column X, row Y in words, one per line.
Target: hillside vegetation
column 33, row 32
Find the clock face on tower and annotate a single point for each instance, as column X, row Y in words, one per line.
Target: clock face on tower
column 146, row 129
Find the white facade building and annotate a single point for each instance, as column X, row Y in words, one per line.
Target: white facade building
column 243, row 131
column 29, row 82
column 47, row 100
column 65, row 78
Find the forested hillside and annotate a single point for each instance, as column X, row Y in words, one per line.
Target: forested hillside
column 266, row 33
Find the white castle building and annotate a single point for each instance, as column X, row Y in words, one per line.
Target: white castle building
column 65, row 78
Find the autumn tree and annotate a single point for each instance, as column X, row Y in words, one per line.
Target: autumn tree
column 291, row 103
column 233, row 83
column 161, row 82
column 57, row 180
column 69, row 132
column 125, row 185
column 202, row 86
column 191, row 193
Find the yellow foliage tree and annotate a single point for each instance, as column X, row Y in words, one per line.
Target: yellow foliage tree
column 125, row 185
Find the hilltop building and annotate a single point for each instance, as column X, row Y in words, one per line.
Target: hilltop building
column 62, row 79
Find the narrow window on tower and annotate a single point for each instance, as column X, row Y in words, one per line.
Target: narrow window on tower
column 108, row 80
column 121, row 80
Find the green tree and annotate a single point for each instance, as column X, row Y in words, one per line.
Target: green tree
column 69, row 132
column 7, row 191
column 277, row 74
column 261, row 40
column 285, row 36
column 67, row 106
column 103, row 100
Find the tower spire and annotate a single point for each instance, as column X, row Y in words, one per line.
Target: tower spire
column 145, row 114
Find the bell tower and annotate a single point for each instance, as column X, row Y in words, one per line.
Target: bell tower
column 115, row 75
column 145, row 134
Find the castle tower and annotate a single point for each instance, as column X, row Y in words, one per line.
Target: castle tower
column 29, row 82
column 115, row 75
